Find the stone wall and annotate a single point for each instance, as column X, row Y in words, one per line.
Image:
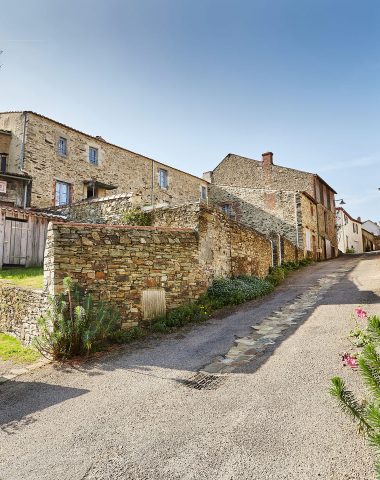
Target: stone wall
column 128, row 171
column 226, row 248
column 119, row 263
column 270, row 212
column 97, row 210
column 14, row 122
column 20, row 309
column 123, row 264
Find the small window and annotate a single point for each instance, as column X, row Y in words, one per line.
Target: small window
column 93, row 156
column 312, row 210
column 227, row 210
column 163, row 178
column 62, row 193
column 3, row 166
column 62, row 146
column 203, row 192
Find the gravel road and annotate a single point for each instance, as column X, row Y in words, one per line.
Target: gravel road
column 130, row 415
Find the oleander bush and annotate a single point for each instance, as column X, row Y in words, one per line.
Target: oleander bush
column 366, row 413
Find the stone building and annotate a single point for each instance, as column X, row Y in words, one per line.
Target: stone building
column 349, row 232
column 369, row 244
column 13, row 184
column 46, row 163
column 374, row 228
column 277, row 200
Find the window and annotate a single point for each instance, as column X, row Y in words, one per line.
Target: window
column 227, row 210
column 62, row 193
column 62, row 146
column 3, row 166
column 93, row 156
column 203, row 192
column 312, row 210
column 163, row 178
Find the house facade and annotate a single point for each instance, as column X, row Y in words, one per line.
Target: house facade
column 369, row 244
column 277, row 200
column 46, row 163
column 374, row 229
column 349, row 232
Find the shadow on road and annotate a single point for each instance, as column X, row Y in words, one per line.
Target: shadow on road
column 15, row 413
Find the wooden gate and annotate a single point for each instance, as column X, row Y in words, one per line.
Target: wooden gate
column 15, row 244
column 22, row 236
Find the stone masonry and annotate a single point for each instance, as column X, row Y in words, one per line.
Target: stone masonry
column 35, row 150
column 264, row 195
column 97, row 210
column 20, row 309
column 117, row 263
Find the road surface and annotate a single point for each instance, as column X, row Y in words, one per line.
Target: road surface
column 146, row 413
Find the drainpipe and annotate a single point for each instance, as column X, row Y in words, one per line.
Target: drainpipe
column 22, row 157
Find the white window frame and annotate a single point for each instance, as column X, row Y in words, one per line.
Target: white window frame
column 203, row 193
column 62, row 193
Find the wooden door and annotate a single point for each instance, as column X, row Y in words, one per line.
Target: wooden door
column 15, row 244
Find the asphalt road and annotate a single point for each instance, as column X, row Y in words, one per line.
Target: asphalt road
column 130, row 415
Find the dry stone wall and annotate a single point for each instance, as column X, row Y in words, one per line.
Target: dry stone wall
column 119, row 263
column 20, row 309
column 108, row 210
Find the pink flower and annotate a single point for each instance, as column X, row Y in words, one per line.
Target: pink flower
column 360, row 313
column 349, row 361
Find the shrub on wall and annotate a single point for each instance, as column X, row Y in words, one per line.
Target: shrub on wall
column 137, row 217
column 74, row 325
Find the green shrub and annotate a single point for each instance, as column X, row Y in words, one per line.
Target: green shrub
column 234, row 291
column 122, row 336
column 138, row 217
column 74, row 325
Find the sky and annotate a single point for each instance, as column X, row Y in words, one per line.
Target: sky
column 189, row 81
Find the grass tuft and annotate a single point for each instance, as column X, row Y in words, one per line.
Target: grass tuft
column 12, row 349
column 32, row 277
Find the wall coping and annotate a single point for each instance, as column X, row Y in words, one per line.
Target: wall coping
column 122, row 227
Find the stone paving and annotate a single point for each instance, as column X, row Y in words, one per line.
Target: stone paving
column 273, row 327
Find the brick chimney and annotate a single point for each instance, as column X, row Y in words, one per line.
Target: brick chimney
column 267, row 159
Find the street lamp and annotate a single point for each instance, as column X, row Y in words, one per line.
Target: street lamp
column 341, row 201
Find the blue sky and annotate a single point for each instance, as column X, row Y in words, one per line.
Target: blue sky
column 188, row 81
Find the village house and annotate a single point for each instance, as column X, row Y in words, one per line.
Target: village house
column 45, row 163
column 374, row 229
column 349, row 232
column 277, row 200
column 369, row 243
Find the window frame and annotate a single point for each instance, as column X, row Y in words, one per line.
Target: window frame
column 96, row 151
column 61, row 152
column 203, row 188
column 163, row 178
column 57, row 193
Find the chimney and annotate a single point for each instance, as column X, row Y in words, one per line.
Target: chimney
column 267, row 159
column 359, row 219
